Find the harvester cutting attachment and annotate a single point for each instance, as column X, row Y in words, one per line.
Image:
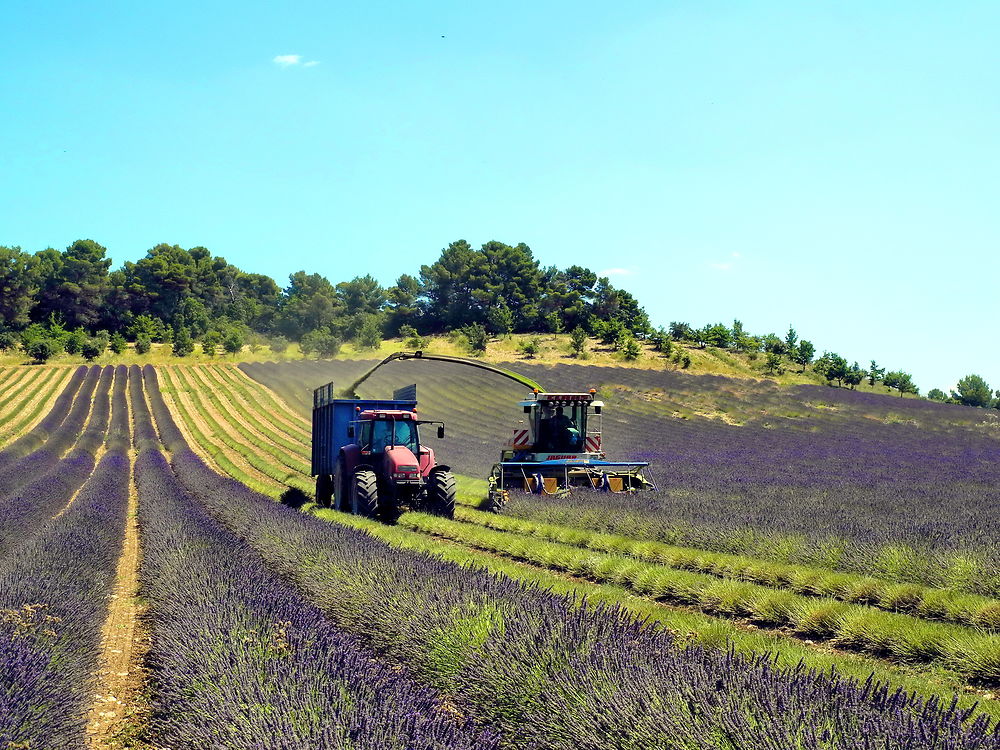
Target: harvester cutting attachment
column 560, row 449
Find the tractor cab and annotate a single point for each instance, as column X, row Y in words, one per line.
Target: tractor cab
column 378, row 430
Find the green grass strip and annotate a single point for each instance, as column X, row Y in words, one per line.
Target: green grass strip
column 899, row 637
column 270, row 488
column 689, row 625
column 51, row 384
column 259, row 418
column 33, row 379
column 292, row 449
column 268, row 402
column 250, row 452
column 921, row 601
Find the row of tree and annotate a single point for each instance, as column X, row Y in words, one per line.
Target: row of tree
column 778, row 349
column 500, row 287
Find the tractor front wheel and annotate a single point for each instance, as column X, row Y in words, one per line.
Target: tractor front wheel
column 324, row 490
column 441, row 494
column 364, row 494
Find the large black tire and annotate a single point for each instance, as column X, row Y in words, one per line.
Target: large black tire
column 364, row 494
column 324, row 490
column 441, row 494
column 341, row 487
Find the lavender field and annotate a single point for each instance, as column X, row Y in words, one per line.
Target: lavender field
column 793, row 582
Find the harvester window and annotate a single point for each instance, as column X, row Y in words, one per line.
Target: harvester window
column 561, row 429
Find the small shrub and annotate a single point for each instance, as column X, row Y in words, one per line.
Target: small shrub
column 92, row 348
column 686, row 361
column 320, row 342
column 9, row 341
column 255, row 342
column 631, row 349
column 73, row 343
column 233, row 342
column 118, row 343
column 328, row 346
column 529, row 347
column 41, row 350
column 278, row 344
column 104, row 338
column 210, row 343
column 370, row 333
column 578, row 342
column 182, row 344
column 411, row 339
column 143, row 344
column 475, row 337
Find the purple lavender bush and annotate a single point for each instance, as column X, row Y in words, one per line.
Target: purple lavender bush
column 54, row 588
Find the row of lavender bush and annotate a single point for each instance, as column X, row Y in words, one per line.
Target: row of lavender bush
column 54, row 588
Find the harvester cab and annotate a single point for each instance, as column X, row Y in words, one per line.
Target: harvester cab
column 368, row 458
column 559, row 447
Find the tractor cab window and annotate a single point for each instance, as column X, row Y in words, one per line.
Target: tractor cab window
column 386, row 432
column 561, row 429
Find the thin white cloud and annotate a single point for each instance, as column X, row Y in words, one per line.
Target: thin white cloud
column 286, row 61
column 726, row 265
column 310, row 64
column 615, row 272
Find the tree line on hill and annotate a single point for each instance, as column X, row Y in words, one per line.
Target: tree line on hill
column 71, row 300
column 53, row 301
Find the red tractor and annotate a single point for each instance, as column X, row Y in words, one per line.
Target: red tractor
column 368, row 460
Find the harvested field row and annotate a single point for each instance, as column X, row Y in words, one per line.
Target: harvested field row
column 858, row 487
column 217, row 446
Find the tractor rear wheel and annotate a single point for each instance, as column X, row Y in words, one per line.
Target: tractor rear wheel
column 324, row 490
column 441, row 494
column 364, row 494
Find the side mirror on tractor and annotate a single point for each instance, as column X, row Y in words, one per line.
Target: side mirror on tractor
column 440, row 431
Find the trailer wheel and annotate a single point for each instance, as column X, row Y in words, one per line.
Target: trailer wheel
column 364, row 494
column 324, row 490
column 441, row 494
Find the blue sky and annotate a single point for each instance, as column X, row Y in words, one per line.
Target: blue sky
column 829, row 164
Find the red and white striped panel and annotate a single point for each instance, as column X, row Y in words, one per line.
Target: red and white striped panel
column 593, row 444
column 520, row 439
